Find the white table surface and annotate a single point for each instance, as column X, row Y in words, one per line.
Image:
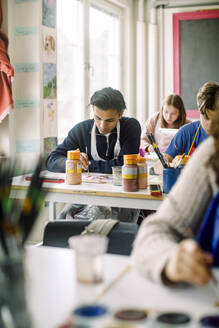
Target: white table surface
column 88, row 193
column 53, row 291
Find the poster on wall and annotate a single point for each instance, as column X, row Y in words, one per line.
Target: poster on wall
column 50, row 144
column 49, row 81
column 49, row 13
column 50, row 118
column 49, row 44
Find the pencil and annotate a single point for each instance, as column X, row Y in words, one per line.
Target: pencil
column 194, row 139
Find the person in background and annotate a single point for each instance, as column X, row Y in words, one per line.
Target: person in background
column 171, row 116
column 102, row 140
column 182, row 141
column 165, row 250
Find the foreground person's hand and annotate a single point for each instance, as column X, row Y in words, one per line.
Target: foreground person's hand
column 188, row 263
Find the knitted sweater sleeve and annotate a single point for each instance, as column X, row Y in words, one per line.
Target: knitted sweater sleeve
column 178, row 217
column 149, row 127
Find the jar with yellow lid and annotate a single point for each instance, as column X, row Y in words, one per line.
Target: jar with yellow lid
column 73, row 167
column 130, row 173
column 142, row 172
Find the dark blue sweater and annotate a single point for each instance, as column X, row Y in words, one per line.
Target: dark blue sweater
column 80, row 137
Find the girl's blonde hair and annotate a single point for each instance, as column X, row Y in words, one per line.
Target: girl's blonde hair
column 176, row 101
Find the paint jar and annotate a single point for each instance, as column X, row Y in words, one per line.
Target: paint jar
column 172, row 319
column 131, row 317
column 89, row 257
column 90, row 316
column 170, row 176
column 209, row 321
column 142, row 173
column 130, row 173
column 73, row 168
column 117, row 175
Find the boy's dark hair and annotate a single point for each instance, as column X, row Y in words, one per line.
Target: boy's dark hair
column 207, row 96
column 108, row 98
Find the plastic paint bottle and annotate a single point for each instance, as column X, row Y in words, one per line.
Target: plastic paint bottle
column 130, row 173
column 73, row 167
column 142, row 172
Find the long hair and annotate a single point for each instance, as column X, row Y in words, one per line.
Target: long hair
column 177, row 102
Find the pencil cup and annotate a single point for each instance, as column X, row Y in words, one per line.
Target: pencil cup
column 89, row 256
column 13, row 296
column 170, row 176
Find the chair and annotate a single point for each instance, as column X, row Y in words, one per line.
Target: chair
column 121, row 237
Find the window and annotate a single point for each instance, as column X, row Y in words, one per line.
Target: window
column 88, row 56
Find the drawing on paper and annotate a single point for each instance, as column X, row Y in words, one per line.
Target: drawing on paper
column 50, row 144
column 50, row 118
column 49, row 81
column 49, row 45
column 49, row 13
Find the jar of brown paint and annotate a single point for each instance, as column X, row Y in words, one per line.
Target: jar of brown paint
column 73, row 167
column 130, row 173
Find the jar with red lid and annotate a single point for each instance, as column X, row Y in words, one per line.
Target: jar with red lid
column 130, row 173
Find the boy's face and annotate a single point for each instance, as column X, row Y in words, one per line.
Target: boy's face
column 106, row 120
column 206, row 122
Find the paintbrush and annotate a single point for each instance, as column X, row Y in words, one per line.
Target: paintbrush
column 179, row 161
column 157, row 150
column 109, row 286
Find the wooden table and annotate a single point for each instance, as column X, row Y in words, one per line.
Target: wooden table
column 104, row 194
column 53, row 290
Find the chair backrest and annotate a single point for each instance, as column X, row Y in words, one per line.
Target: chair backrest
column 121, row 237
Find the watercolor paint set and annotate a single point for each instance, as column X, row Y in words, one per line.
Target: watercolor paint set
column 100, row 316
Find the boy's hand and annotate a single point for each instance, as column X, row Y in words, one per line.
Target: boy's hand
column 84, row 161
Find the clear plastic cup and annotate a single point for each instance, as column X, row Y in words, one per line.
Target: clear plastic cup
column 89, row 255
column 117, row 175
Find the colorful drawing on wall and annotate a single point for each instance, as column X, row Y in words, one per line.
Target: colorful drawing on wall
column 49, row 81
column 50, row 144
column 50, row 118
column 49, row 13
column 49, row 45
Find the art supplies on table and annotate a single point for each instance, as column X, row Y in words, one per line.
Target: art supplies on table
column 16, row 222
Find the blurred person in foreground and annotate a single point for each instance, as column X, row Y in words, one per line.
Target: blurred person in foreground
column 165, row 250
